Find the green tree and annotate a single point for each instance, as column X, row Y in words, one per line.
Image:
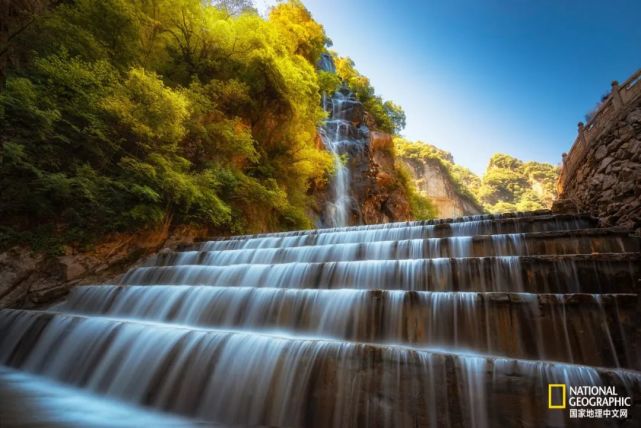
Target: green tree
column 131, row 114
column 510, row 184
column 389, row 117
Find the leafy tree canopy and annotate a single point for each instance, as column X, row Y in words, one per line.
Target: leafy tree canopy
column 508, row 184
column 119, row 115
column 388, row 117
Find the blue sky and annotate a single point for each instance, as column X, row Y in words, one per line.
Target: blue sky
column 486, row 76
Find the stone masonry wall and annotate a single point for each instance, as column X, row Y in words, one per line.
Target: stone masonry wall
column 607, row 182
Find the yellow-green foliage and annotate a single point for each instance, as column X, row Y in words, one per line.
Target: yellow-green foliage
column 127, row 114
column 389, row 117
column 507, row 185
column 465, row 181
column 421, row 207
column 513, row 185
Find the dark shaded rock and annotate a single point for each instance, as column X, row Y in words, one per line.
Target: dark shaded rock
column 601, row 152
column 564, row 206
column 30, row 279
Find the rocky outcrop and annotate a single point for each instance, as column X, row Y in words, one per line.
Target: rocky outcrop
column 29, row 279
column 377, row 195
column 381, row 196
column 606, row 179
column 366, row 187
column 433, row 181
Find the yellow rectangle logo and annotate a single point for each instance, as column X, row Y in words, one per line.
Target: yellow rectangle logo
column 551, row 388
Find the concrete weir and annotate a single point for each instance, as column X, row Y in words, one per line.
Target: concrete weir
column 463, row 322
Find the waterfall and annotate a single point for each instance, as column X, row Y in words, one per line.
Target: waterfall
column 21, row 392
column 344, row 134
column 415, row 324
column 339, row 209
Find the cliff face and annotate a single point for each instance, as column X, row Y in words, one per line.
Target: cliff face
column 375, row 191
column 607, row 178
column 366, row 187
column 434, row 182
column 30, row 279
column 381, row 196
column 508, row 184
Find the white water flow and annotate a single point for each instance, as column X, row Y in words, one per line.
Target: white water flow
column 246, row 378
column 336, row 137
column 34, row 401
column 446, row 320
column 415, row 325
column 391, row 232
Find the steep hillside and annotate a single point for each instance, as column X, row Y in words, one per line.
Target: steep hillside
column 449, row 187
column 122, row 120
column 119, row 117
column 508, row 184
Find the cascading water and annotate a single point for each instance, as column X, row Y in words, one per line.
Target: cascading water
column 417, row 324
column 340, row 207
column 343, row 134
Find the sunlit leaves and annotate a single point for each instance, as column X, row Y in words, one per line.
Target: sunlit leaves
column 130, row 114
column 148, row 109
column 389, row 117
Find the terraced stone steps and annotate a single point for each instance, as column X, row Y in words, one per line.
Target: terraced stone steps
column 465, row 219
column 561, row 327
column 615, row 273
column 287, row 381
column 396, row 231
column 361, row 326
column 587, row 241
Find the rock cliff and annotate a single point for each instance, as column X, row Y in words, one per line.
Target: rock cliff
column 30, row 279
column 434, row 182
column 375, row 190
column 366, row 187
column 508, row 184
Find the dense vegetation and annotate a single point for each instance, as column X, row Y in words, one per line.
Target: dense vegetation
column 513, row 185
column 386, row 115
column 464, row 180
column 421, row 207
column 119, row 115
column 508, row 184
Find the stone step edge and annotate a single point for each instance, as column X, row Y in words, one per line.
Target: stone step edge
column 605, row 257
column 294, row 338
column 596, row 232
column 495, row 296
column 527, row 216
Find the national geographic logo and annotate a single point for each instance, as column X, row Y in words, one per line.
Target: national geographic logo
column 556, row 396
column 593, row 402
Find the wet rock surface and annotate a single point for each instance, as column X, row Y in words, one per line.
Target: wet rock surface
column 366, row 188
column 355, row 326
